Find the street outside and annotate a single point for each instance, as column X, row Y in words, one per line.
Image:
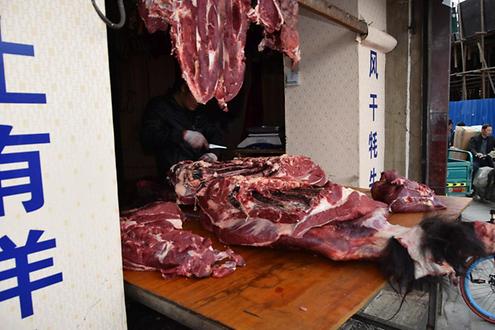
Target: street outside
column 454, row 313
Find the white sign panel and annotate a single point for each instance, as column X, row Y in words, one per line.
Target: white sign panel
column 60, row 257
column 371, row 115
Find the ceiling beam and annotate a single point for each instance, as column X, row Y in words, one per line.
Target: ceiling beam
column 336, row 15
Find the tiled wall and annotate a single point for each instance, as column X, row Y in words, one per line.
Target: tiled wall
column 322, row 112
column 324, row 116
column 80, row 208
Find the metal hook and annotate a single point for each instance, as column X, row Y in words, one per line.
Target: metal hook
column 110, row 24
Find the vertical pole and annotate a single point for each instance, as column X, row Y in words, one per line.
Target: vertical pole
column 482, row 50
column 463, row 53
column 437, row 94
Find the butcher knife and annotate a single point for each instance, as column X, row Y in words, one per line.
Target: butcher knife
column 216, row 146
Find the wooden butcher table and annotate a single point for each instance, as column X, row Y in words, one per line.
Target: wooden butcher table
column 278, row 289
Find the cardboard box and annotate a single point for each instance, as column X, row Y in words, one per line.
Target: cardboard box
column 462, row 136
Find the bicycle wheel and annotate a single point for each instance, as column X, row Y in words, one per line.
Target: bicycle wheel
column 478, row 287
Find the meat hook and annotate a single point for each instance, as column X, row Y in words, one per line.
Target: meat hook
column 109, row 23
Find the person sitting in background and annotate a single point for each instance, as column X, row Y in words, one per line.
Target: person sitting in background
column 480, row 146
column 175, row 128
column 451, row 134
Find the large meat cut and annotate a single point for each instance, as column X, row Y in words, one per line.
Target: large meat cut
column 362, row 238
column 153, row 240
column 279, row 19
column 258, row 211
column 336, row 222
column 367, row 237
column 189, row 176
column 209, row 36
column 403, row 195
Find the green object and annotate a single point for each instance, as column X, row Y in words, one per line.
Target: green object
column 453, row 21
column 459, row 174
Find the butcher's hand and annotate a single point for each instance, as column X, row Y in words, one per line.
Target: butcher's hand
column 209, row 157
column 195, row 139
column 480, row 155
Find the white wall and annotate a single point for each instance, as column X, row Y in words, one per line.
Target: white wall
column 78, row 166
column 327, row 115
column 322, row 112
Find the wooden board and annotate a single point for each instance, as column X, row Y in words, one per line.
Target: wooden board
column 278, row 289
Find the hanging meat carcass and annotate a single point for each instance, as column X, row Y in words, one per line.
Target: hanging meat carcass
column 279, row 19
column 209, row 36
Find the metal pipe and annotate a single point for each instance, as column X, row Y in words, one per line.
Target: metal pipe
column 110, row 24
column 408, row 87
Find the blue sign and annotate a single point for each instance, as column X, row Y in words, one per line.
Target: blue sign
column 33, row 170
column 7, row 97
column 23, row 268
column 373, row 64
column 373, row 106
column 372, row 178
column 373, row 145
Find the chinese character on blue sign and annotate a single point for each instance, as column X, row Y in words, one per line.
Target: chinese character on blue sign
column 373, row 106
column 23, row 268
column 372, row 177
column 7, row 97
column 373, row 144
column 32, row 171
column 373, row 64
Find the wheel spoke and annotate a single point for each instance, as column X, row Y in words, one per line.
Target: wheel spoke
column 481, row 294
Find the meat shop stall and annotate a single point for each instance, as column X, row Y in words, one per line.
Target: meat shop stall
column 266, row 242
column 275, row 238
column 289, row 220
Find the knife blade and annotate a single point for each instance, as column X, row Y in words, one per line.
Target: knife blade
column 216, row 146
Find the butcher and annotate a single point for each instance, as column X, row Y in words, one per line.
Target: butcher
column 176, row 127
column 480, row 146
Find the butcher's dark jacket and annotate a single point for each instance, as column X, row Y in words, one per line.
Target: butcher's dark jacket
column 476, row 141
column 164, row 122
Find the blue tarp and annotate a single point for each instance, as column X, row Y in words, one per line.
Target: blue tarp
column 473, row 112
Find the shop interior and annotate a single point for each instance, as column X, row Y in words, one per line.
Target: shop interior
column 142, row 66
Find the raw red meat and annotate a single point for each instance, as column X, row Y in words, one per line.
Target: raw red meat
column 403, row 195
column 366, row 238
column 188, row 176
column 336, row 222
column 362, row 238
column 285, row 38
column 155, row 14
column 268, row 14
column 153, row 240
column 235, row 25
column 486, row 233
column 208, row 38
column 258, row 211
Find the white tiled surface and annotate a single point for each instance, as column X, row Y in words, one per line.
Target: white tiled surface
column 78, row 166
